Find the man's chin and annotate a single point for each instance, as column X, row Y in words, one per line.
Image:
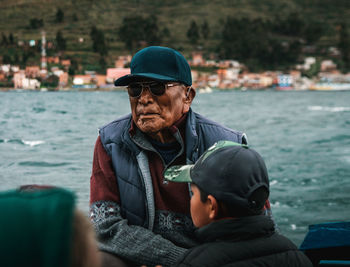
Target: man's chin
column 156, row 131
column 149, row 127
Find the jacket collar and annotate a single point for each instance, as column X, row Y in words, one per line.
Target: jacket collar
column 191, row 138
column 237, row 229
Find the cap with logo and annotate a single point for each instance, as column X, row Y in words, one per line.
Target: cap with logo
column 229, row 171
column 158, row 63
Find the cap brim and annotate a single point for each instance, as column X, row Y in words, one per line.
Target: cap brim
column 180, row 174
column 127, row 79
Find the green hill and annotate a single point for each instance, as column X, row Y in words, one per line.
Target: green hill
column 25, row 19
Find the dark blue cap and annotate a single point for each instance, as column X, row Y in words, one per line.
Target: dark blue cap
column 158, row 63
column 229, row 171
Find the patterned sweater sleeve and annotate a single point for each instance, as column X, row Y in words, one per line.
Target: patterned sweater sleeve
column 134, row 243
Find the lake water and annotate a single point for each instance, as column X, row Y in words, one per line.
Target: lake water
column 304, row 137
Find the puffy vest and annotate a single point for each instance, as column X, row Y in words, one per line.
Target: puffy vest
column 131, row 166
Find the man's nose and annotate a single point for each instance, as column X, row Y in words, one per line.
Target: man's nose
column 146, row 95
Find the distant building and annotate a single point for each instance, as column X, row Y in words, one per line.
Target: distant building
column 229, row 64
column 82, row 79
column 100, row 80
column 210, row 63
column 334, row 51
column 65, row 63
column 308, row 62
column 18, row 79
column 5, row 68
column 197, row 59
column 266, row 80
column 221, row 73
column 21, row 82
column 115, row 73
column 328, row 65
column 295, row 74
column 2, row 76
column 14, row 69
column 53, row 60
column 285, row 82
column 63, row 80
column 32, row 71
column 122, row 61
column 232, row 73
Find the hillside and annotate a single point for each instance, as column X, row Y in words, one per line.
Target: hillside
column 174, row 16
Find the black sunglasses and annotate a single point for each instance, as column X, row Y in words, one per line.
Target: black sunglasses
column 156, row 88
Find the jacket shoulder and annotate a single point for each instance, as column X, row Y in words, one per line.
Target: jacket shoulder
column 112, row 132
column 262, row 251
column 218, row 131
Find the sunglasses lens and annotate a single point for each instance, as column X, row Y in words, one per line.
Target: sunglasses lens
column 135, row 89
column 157, row 88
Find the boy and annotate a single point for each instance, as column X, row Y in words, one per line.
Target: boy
column 230, row 186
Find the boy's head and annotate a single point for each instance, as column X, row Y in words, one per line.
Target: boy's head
column 228, row 180
column 41, row 226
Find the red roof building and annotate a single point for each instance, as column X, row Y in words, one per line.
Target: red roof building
column 115, row 73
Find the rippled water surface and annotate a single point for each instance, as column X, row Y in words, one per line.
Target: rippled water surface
column 304, row 137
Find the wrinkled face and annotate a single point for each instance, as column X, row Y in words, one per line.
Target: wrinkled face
column 154, row 114
column 199, row 210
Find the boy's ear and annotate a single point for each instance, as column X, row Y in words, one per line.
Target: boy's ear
column 213, row 207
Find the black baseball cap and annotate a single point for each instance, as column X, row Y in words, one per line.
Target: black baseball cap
column 229, row 171
column 158, row 63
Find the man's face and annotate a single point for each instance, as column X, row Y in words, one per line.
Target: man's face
column 153, row 115
column 199, row 210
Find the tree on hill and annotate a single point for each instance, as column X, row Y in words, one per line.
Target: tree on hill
column 59, row 15
column 193, row 33
column 6, row 59
column 313, row 31
column 4, row 40
column 99, row 44
column 103, row 63
column 137, row 31
column 11, row 39
column 165, row 32
column 250, row 42
column 73, row 67
column 152, row 33
column 51, row 81
column 75, row 17
column 344, row 45
column 291, row 25
column 26, row 54
column 205, row 30
column 36, row 23
column 60, row 41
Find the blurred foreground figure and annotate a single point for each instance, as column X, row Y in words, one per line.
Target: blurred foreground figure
column 40, row 227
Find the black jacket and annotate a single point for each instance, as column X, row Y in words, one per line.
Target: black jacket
column 247, row 241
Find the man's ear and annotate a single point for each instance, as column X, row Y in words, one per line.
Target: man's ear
column 213, row 207
column 190, row 95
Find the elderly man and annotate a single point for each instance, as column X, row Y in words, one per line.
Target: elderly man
column 140, row 217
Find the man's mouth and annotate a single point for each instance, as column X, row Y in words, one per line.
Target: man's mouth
column 148, row 115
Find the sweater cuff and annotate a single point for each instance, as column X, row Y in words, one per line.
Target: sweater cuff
column 175, row 255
